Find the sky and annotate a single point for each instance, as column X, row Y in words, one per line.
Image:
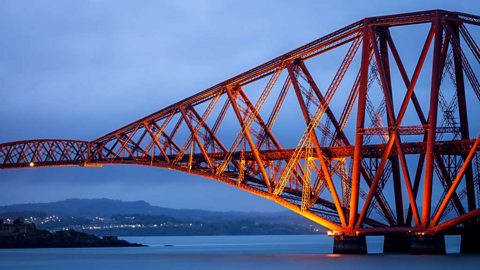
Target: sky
column 80, row 69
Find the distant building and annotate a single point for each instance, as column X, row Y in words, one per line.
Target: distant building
column 15, row 228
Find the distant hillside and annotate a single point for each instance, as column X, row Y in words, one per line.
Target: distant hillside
column 24, row 214
column 108, row 207
column 102, row 207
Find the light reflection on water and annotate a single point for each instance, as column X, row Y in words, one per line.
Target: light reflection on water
column 231, row 252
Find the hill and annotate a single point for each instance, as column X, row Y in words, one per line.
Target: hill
column 109, row 207
column 106, row 216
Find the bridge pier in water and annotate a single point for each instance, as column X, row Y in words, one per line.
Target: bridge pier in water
column 396, row 243
column 470, row 239
column 423, row 244
column 409, row 244
column 405, row 244
column 349, row 245
column 470, row 243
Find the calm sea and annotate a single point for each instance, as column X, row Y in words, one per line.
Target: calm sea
column 232, row 252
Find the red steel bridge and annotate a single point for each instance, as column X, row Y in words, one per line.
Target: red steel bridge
column 369, row 130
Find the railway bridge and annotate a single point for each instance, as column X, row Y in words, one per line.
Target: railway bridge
column 369, row 130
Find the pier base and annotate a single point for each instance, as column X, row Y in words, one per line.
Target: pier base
column 428, row 245
column 470, row 242
column 396, row 243
column 349, row 245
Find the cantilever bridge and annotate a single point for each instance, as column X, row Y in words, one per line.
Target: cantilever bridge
column 385, row 143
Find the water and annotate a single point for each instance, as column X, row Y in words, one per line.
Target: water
column 231, row 252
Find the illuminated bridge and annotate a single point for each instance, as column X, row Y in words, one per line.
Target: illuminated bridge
column 369, row 130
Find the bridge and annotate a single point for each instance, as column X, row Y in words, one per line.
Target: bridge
column 364, row 131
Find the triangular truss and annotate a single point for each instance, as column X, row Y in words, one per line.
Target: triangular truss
column 354, row 130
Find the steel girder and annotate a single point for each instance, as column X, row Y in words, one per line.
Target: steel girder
column 335, row 172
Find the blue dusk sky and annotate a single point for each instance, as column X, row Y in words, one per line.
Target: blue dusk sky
column 80, row 69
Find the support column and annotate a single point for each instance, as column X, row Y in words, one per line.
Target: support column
column 470, row 240
column 396, row 243
column 384, row 70
column 432, row 245
column 357, row 152
column 462, row 111
column 349, row 245
column 432, row 121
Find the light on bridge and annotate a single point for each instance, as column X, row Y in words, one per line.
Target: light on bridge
column 31, row 164
column 334, row 233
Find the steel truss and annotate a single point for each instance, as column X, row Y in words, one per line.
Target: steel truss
column 335, row 174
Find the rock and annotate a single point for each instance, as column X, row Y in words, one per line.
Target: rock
column 25, row 235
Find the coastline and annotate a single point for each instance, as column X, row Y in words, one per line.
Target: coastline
column 25, row 235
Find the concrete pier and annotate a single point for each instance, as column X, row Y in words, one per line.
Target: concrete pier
column 428, row 244
column 470, row 242
column 396, row 243
column 349, row 245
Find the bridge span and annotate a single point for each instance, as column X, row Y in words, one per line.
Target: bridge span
column 369, row 130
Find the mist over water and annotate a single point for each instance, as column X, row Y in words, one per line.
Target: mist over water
column 232, row 252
